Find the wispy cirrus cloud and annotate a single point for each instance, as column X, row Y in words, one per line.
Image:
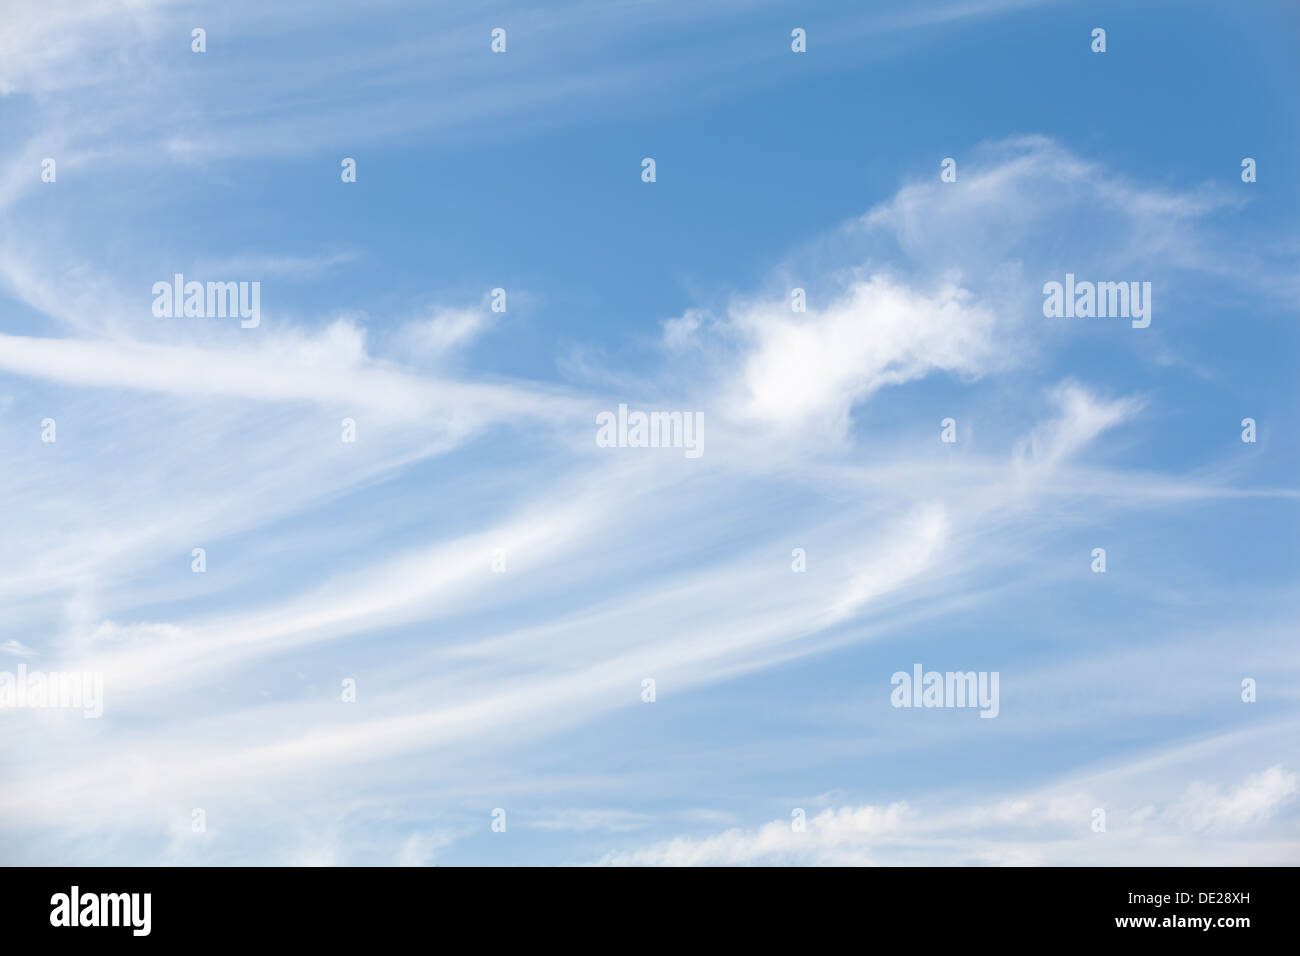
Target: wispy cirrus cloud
column 373, row 560
column 1082, row 821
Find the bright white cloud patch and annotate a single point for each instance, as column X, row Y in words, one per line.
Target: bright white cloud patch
column 811, row 369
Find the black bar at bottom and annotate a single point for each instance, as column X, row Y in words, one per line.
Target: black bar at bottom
column 1219, row 906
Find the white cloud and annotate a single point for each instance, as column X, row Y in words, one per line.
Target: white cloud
column 1083, row 416
column 834, row 837
column 1258, row 797
column 421, row 849
column 447, row 330
column 809, row 370
column 1053, row 826
column 680, row 332
column 332, row 370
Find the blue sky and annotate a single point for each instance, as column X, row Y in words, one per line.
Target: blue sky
column 522, row 690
